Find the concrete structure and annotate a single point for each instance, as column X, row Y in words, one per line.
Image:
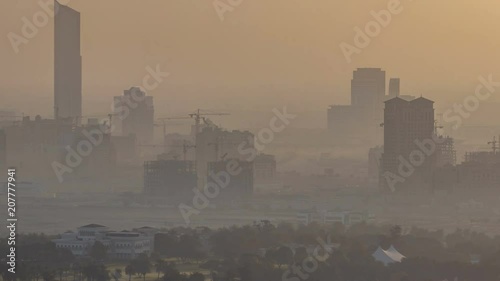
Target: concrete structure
column 135, row 113
column 368, row 91
column 172, row 179
column 407, row 123
column 7, row 118
column 445, row 152
column 394, row 87
column 479, row 172
column 362, row 117
column 122, row 245
column 264, row 167
column 240, row 184
column 214, row 144
column 34, row 145
column 67, row 64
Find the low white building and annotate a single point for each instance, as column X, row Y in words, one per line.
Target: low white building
column 121, row 245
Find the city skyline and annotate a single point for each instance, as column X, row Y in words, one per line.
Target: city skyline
column 324, row 77
column 233, row 140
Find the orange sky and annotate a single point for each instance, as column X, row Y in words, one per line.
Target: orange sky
column 264, row 54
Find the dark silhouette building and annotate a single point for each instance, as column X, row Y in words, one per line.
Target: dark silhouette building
column 240, row 185
column 406, row 125
column 67, row 63
column 172, row 180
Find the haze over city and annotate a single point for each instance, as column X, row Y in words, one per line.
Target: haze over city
column 233, row 140
column 264, row 53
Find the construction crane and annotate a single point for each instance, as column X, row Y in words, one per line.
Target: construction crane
column 78, row 119
column 198, row 116
column 164, row 124
column 494, row 144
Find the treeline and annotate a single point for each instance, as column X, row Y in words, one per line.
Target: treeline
column 267, row 252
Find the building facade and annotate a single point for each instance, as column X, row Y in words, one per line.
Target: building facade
column 134, row 113
column 362, row 117
column 407, row 123
column 67, row 64
column 122, row 245
column 170, row 179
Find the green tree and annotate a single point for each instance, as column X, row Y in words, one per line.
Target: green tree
column 98, row 251
column 130, row 270
column 142, row 265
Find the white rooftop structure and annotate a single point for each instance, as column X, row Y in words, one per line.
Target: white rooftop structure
column 120, row 245
column 388, row 256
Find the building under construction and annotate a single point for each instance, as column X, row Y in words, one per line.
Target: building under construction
column 214, row 144
column 239, row 184
column 171, row 179
column 479, row 171
column 445, row 152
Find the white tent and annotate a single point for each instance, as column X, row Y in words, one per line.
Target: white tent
column 388, row 256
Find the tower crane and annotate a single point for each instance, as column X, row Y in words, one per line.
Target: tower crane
column 164, row 125
column 78, row 119
column 198, row 116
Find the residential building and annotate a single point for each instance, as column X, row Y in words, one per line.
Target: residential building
column 407, row 123
column 239, row 184
column 173, row 180
column 214, row 144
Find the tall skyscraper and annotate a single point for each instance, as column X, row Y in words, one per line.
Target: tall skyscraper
column 368, row 91
column 67, row 63
column 394, row 87
column 407, row 126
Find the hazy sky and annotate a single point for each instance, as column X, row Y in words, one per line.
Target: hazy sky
column 265, row 53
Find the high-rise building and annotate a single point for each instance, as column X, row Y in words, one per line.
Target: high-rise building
column 361, row 119
column 394, row 87
column 172, row 179
column 368, row 91
column 240, row 186
column 407, row 125
column 214, row 144
column 67, row 63
column 135, row 115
